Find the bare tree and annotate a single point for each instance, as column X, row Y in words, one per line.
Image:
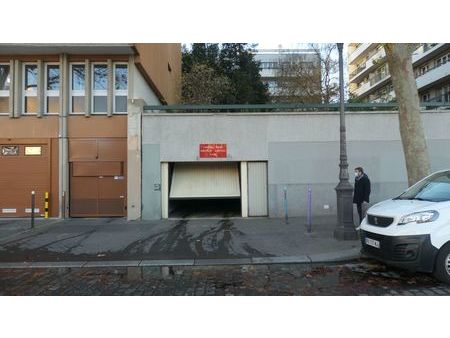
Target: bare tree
column 398, row 56
column 309, row 79
column 297, row 80
column 329, row 70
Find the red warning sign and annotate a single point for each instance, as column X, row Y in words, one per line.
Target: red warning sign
column 213, row 150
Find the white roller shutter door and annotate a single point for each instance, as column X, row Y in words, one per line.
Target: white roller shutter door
column 205, row 180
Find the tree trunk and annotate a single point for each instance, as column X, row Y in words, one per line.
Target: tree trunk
column 398, row 56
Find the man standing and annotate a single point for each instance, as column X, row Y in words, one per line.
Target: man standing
column 362, row 191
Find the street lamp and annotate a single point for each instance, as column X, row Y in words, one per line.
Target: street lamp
column 345, row 229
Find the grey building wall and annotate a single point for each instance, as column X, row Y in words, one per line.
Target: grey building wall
column 301, row 149
column 151, row 182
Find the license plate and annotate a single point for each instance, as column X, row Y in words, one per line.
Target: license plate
column 372, row 242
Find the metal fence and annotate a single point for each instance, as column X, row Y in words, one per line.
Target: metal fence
column 242, row 108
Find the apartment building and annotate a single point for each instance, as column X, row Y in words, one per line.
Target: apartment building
column 369, row 79
column 63, row 122
column 279, row 66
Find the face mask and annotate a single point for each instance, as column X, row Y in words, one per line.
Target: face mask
column 356, row 174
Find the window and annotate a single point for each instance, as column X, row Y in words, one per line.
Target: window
column 52, row 83
column 30, row 75
column 99, row 88
column 5, row 81
column 77, row 88
column 120, row 88
column 10, row 150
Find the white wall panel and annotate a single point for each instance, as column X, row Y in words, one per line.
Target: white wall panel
column 257, row 188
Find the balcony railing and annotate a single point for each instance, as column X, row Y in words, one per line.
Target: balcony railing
column 359, row 69
column 432, row 75
column 429, row 69
column 444, row 98
column 374, row 56
column 378, row 77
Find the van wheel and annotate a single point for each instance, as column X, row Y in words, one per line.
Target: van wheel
column 442, row 267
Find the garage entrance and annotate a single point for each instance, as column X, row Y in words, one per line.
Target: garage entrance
column 98, row 177
column 208, row 189
column 25, row 166
column 214, row 189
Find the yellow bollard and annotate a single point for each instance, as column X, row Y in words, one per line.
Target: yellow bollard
column 46, row 205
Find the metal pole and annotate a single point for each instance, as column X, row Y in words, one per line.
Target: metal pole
column 46, row 205
column 309, row 211
column 345, row 229
column 285, row 205
column 33, row 200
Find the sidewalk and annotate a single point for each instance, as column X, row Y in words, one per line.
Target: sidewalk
column 117, row 242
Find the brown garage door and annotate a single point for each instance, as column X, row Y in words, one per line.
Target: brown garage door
column 23, row 168
column 97, row 177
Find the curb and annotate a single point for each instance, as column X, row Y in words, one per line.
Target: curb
column 339, row 256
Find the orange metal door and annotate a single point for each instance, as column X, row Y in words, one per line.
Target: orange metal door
column 98, row 181
column 24, row 169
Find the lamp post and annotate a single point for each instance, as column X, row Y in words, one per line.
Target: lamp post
column 345, row 229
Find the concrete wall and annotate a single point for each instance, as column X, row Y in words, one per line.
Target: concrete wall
column 141, row 89
column 161, row 62
column 301, row 149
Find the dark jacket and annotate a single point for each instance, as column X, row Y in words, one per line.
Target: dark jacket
column 362, row 190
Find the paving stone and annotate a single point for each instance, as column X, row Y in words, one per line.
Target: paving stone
column 247, row 279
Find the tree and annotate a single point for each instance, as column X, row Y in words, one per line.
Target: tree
column 309, row 79
column 200, row 53
column 201, row 85
column 232, row 61
column 398, row 56
column 237, row 62
column 298, row 80
column 329, row 71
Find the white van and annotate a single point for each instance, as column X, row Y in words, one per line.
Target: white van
column 412, row 230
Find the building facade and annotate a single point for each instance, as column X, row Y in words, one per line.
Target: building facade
column 63, row 122
column 369, row 79
column 280, row 69
column 262, row 164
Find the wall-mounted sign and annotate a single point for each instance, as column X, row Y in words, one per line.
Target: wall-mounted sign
column 33, row 151
column 9, row 211
column 213, row 150
column 28, row 210
column 10, row 150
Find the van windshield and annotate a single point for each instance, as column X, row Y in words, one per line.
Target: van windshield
column 435, row 188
